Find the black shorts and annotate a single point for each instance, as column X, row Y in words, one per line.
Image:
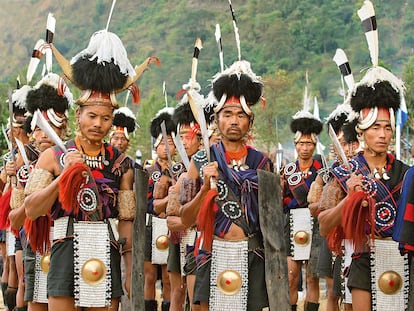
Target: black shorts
column 173, row 261
column 325, row 267
column 360, row 273
column 257, row 293
column 337, row 277
column 60, row 279
column 2, row 236
column 18, row 245
column 29, row 261
column 148, row 243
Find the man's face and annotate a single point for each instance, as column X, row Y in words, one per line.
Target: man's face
column 95, row 122
column 162, row 151
column 191, row 140
column 42, row 140
column 305, row 147
column 119, row 141
column 233, row 123
column 378, row 136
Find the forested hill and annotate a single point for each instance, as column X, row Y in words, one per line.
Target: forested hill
column 282, row 39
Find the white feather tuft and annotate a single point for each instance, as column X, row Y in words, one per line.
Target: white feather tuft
column 340, row 59
column 105, row 46
column 316, row 109
column 367, row 13
column 51, row 23
column 37, row 54
column 19, row 96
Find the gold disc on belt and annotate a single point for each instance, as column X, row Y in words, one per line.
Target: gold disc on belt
column 45, row 263
column 229, row 282
column 301, row 238
column 162, row 242
column 93, row 271
column 390, row 282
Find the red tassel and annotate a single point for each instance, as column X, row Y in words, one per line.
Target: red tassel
column 38, row 233
column 70, row 182
column 5, row 210
column 334, row 240
column 135, row 93
column 355, row 219
column 205, row 218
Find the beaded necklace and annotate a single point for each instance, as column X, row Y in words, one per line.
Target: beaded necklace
column 235, row 160
column 92, row 160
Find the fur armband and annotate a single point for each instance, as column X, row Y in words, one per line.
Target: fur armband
column 315, row 192
column 189, row 189
column 38, row 179
column 126, row 205
column 160, row 190
column 17, row 198
column 332, row 194
column 173, row 206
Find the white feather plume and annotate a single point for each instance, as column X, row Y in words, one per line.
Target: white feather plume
column 340, row 59
column 367, row 12
column 105, row 46
column 220, row 47
column 37, row 55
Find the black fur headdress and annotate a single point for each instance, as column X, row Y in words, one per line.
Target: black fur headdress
column 49, row 93
column 164, row 114
column 237, row 81
column 306, row 125
column 124, row 117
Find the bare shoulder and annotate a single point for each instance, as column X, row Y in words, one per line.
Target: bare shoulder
column 47, row 161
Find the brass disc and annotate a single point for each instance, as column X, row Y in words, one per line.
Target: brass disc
column 229, row 282
column 93, row 271
column 390, row 282
column 45, row 263
column 301, row 238
column 162, row 242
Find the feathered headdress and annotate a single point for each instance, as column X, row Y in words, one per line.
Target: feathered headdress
column 164, row 115
column 237, row 84
column 304, row 122
column 124, row 121
column 379, row 88
column 103, row 69
column 52, row 97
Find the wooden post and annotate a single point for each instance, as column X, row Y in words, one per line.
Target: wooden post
column 138, row 244
column 272, row 223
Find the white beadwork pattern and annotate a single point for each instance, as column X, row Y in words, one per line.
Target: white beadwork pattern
column 229, row 255
column 300, row 220
column 40, row 282
column 91, row 240
column 188, row 239
column 386, row 257
column 159, row 227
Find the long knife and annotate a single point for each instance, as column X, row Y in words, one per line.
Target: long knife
column 11, row 123
column 48, row 130
column 180, row 148
column 22, row 151
column 9, row 144
column 13, row 178
column 338, row 147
